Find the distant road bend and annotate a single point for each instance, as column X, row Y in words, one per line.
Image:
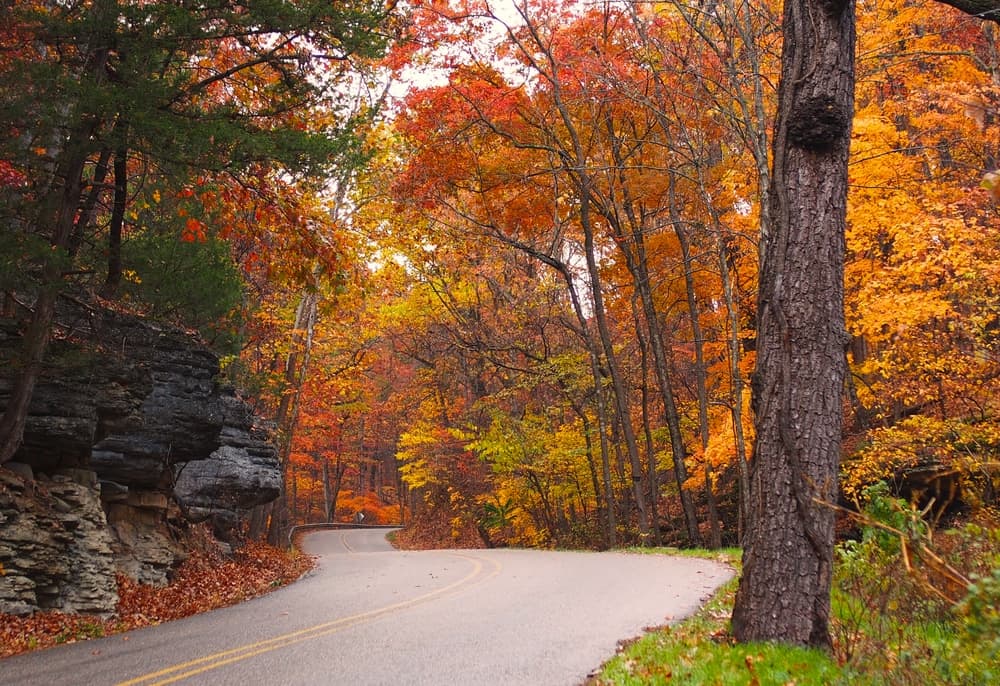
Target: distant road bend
column 370, row 614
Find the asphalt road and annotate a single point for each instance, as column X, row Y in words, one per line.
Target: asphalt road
column 372, row 615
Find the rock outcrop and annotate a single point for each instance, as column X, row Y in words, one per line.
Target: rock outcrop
column 129, row 437
column 236, row 477
column 55, row 546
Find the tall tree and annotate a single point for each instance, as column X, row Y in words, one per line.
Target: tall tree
column 784, row 592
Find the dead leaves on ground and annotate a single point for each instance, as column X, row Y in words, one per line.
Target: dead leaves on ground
column 203, row 582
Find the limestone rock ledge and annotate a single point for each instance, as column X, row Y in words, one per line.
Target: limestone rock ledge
column 55, row 546
column 130, row 437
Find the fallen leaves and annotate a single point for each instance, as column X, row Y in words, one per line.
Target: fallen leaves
column 205, row 581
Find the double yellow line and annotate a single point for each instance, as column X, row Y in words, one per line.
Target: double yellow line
column 191, row 668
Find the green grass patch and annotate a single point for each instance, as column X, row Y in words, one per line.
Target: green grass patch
column 902, row 614
column 699, row 650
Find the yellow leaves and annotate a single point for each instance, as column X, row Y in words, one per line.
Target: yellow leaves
column 922, row 243
column 991, row 182
column 919, row 441
column 721, row 451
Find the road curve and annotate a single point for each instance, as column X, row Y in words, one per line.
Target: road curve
column 372, row 615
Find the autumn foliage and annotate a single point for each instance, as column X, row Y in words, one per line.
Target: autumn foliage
column 512, row 298
column 637, row 138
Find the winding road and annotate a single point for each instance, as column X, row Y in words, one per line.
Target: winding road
column 370, row 614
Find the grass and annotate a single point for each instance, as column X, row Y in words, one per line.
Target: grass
column 699, row 649
column 899, row 616
column 730, row 556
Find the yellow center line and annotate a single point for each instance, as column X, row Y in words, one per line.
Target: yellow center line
column 343, row 539
column 225, row 657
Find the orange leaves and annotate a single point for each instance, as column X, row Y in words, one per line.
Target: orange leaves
column 205, row 582
column 921, row 280
column 45, row 629
column 194, row 231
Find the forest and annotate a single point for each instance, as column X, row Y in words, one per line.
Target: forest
column 492, row 269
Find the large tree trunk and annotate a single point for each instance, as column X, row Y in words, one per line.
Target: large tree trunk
column 784, row 593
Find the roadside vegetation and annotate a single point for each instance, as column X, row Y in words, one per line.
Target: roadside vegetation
column 911, row 605
column 205, row 581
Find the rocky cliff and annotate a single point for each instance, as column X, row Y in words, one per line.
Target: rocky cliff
column 129, row 438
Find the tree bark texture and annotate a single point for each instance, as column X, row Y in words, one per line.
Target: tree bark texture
column 611, row 358
column 784, row 594
column 701, row 377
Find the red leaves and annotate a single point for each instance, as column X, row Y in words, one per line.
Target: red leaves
column 194, row 231
column 10, row 176
column 203, row 582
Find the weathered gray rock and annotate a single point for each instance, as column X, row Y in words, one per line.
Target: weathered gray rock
column 62, row 418
column 129, row 399
column 232, row 478
column 131, row 406
column 243, row 473
column 144, row 546
column 55, row 546
column 165, row 409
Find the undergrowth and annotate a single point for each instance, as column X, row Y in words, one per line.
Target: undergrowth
column 913, row 605
column 910, row 606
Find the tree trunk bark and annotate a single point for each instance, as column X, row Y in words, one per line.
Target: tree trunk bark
column 701, row 374
column 784, row 593
column 611, row 358
column 88, row 209
column 647, row 428
column 326, row 490
column 338, row 480
column 114, row 276
column 296, row 365
column 736, row 379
